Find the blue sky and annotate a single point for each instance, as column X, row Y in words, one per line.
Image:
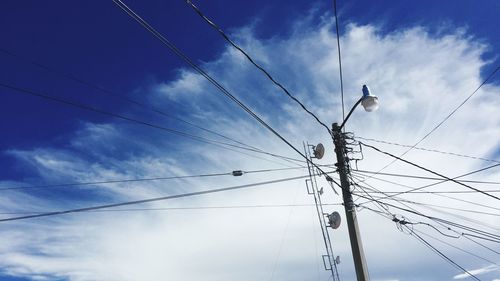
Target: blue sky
column 421, row 58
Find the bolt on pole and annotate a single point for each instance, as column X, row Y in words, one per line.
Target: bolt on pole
column 350, row 210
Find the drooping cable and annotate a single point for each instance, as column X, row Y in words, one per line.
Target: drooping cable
column 103, row 182
column 252, row 61
column 225, row 207
column 149, row 200
column 430, row 171
column 411, row 231
column 442, row 255
column 474, row 232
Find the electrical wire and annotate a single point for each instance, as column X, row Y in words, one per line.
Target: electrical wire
column 413, row 233
column 430, row 171
column 220, row 144
column 444, row 120
column 484, row 234
column 434, row 205
column 118, row 96
column 390, row 194
column 141, row 179
column 181, row 208
column 252, row 61
column 149, row 200
column 339, row 57
column 202, row 72
column 419, row 177
column 455, row 247
column 442, row 255
column 429, row 150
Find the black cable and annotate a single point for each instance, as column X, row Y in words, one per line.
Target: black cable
column 455, row 247
column 419, row 177
column 141, row 179
column 119, row 96
column 443, row 181
column 340, row 57
column 485, row 235
column 430, row 171
column 441, row 254
column 432, row 205
column 252, row 61
column 444, row 120
column 412, row 231
column 86, row 209
column 202, row 72
column 162, row 128
column 430, row 150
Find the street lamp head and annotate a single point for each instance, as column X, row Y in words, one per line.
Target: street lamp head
column 369, row 102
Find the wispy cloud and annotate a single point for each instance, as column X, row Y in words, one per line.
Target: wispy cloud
column 478, row 271
column 419, row 78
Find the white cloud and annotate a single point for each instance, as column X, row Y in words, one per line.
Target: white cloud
column 419, row 79
column 477, row 272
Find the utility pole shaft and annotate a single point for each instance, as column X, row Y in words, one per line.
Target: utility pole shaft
column 350, row 210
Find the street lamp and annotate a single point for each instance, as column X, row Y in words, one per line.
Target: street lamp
column 370, row 103
column 367, row 100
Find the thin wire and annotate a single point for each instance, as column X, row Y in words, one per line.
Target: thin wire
column 419, row 238
column 162, row 128
column 430, row 171
column 437, row 193
column 418, row 177
column 441, row 254
column 139, row 179
column 443, row 181
column 181, row 208
column 430, row 150
column 340, row 57
column 485, row 235
column 455, row 247
column 119, row 96
column 198, row 69
column 433, row 205
column 252, row 61
column 163, row 198
column 444, row 120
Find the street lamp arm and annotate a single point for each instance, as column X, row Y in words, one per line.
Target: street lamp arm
column 350, row 112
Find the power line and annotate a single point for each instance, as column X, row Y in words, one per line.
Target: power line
column 202, row 72
column 441, row 254
column 163, row 198
column 162, row 128
column 433, row 205
column 340, row 57
column 233, row 173
column 183, row 208
column 484, row 234
column 430, row 150
column 444, row 120
column 430, row 171
column 455, row 247
column 252, row 61
column 405, row 223
column 443, row 181
column 417, row 177
column 121, row 97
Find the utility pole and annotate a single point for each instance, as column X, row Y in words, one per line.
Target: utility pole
column 350, row 210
